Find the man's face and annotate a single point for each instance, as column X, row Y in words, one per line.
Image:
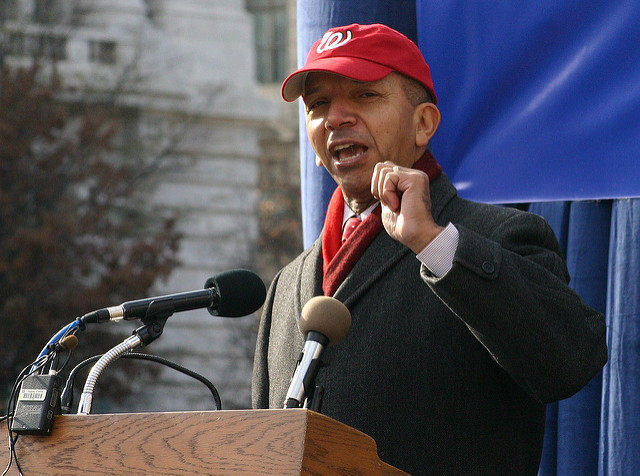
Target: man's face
column 353, row 125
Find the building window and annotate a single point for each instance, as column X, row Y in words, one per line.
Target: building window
column 102, row 52
column 38, row 45
column 47, row 11
column 8, row 10
column 270, row 31
column 53, row 47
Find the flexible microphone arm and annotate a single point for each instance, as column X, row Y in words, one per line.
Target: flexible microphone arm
column 86, row 399
column 142, row 336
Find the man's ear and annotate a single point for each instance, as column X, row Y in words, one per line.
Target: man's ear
column 427, row 120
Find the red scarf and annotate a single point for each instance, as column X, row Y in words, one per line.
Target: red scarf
column 338, row 259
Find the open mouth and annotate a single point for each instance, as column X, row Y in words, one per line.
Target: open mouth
column 345, row 152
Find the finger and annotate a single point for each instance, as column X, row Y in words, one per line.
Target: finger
column 377, row 179
column 389, row 191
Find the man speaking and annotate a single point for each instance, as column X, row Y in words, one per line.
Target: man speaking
column 463, row 323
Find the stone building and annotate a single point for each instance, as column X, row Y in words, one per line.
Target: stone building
column 197, row 81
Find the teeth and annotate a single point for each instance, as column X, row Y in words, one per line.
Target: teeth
column 348, row 151
column 344, row 146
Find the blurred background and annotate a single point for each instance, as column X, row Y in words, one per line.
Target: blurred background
column 144, row 147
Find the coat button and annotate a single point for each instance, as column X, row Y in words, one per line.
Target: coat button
column 488, row 267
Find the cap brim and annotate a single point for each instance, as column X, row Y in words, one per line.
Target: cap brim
column 352, row 68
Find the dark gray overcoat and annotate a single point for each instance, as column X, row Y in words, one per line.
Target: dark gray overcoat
column 449, row 376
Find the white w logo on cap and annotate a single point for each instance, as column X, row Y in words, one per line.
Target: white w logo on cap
column 333, row 39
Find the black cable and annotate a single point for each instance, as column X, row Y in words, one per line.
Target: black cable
column 66, row 361
column 66, row 399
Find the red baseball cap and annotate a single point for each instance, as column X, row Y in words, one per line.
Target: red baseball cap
column 362, row 53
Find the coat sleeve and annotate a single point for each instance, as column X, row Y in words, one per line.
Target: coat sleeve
column 510, row 287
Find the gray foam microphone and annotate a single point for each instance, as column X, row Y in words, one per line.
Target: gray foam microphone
column 325, row 321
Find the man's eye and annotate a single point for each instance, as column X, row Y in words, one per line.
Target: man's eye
column 315, row 104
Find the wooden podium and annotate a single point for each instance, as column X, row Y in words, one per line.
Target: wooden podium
column 273, row 442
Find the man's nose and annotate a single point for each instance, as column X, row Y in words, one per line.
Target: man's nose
column 339, row 114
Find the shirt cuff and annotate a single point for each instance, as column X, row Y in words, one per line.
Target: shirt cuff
column 438, row 255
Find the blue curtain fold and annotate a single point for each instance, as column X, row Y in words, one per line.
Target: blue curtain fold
column 620, row 417
column 573, row 425
column 587, row 259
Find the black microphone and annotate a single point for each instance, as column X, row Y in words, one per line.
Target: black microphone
column 325, row 321
column 233, row 293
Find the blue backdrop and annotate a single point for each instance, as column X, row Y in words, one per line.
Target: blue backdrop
column 539, row 104
column 539, row 100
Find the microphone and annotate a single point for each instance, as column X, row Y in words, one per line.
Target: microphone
column 233, row 293
column 325, row 321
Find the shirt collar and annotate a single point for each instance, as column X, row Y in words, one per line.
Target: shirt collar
column 348, row 213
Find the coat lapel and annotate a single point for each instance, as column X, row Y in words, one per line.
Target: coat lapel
column 382, row 254
column 309, row 280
